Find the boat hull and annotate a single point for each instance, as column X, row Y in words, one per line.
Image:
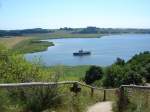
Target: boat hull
column 82, row 54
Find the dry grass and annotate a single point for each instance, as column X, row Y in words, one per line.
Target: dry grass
column 10, row 42
column 138, row 100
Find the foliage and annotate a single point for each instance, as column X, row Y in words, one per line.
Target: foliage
column 14, row 68
column 89, row 30
column 22, row 32
column 94, row 73
column 135, row 71
column 120, row 61
column 113, row 76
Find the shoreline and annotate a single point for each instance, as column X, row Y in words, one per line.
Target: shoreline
column 52, row 44
column 46, row 44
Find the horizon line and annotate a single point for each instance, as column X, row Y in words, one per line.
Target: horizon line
column 76, row 28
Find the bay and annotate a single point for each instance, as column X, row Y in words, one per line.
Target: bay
column 104, row 50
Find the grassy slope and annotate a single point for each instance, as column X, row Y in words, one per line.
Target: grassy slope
column 10, row 42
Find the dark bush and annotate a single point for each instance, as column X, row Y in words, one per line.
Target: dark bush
column 94, row 73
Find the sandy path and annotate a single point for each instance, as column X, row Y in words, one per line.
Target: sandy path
column 101, row 107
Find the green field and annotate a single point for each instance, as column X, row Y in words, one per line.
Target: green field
column 69, row 72
column 63, row 34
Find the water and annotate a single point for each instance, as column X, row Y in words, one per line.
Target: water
column 104, row 50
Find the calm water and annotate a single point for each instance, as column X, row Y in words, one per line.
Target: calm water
column 104, row 50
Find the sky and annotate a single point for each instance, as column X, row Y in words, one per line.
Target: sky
column 52, row 14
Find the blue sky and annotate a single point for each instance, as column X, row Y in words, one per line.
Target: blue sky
column 21, row 14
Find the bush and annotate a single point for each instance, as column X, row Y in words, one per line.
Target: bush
column 113, row 76
column 35, row 99
column 132, row 77
column 94, row 73
column 146, row 73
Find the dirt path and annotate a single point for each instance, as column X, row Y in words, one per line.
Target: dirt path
column 101, row 107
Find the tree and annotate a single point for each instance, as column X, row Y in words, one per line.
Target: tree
column 89, row 30
column 120, row 61
column 94, row 73
column 113, row 76
column 145, row 72
column 132, row 77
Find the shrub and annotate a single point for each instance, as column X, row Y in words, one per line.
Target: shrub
column 132, row 77
column 35, row 99
column 113, row 76
column 94, row 73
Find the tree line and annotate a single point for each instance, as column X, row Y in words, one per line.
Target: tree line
column 88, row 30
column 23, row 32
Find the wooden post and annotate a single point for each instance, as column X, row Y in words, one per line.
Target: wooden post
column 104, row 98
column 121, row 99
column 76, row 89
column 92, row 92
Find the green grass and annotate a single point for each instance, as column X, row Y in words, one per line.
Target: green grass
column 63, row 35
column 31, row 45
column 67, row 72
